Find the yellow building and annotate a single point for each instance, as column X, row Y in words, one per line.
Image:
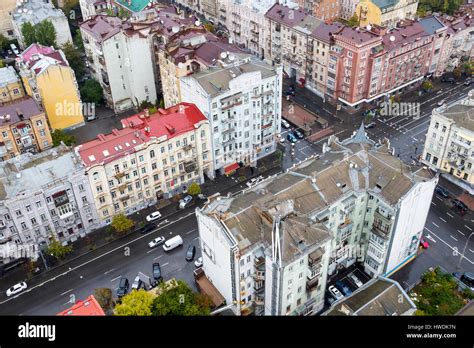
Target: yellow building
column 11, row 88
column 49, row 79
column 23, row 128
column 385, row 12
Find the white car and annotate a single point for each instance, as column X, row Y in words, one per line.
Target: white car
column 153, row 216
column 285, row 123
column 441, row 102
column 356, row 280
column 336, row 293
column 157, row 241
column 198, row 262
column 15, row 289
column 282, row 140
column 185, row 201
column 254, row 181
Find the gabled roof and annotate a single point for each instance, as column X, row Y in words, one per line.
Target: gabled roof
column 102, row 27
column 39, row 58
column 89, row 306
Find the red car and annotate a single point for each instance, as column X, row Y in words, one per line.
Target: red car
column 424, row 243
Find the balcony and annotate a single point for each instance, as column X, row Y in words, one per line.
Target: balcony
column 381, row 229
column 460, row 143
column 345, row 227
column 312, row 283
column 259, row 276
column 314, row 259
column 259, row 301
column 228, row 141
column 258, row 286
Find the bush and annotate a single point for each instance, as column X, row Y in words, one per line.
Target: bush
column 61, row 136
column 194, row 189
column 121, row 223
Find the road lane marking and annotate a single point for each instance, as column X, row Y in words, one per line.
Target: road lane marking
column 454, row 238
column 472, row 251
column 442, row 219
column 189, row 232
column 150, row 251
column 65, row 292
column 163, row 265
column 115, row 278
column 196, row 238
column 434, row 204
column 470, row 229
column 460, row 232
column 456, row 251
column 435, row 224
column 156, row 258
column 109, row 271
column 451, row 216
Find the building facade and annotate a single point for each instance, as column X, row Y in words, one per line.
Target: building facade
column 50, row 80
column 43, row 196
column 242, row 101
column 23, row 128
column 6, row 26
column 357, row 203
column 385, row 13
column 90, row 8
column 155, row 156
column 449, row 142
column 35, row 12
column 11, row 88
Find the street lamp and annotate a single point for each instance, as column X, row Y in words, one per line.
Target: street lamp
column 464, row 250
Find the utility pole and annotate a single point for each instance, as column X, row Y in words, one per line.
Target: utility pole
column 464, row 251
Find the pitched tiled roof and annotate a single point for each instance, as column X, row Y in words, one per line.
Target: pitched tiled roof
column 89, row 306
column 102, row 27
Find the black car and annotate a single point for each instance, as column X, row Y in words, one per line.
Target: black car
column 460, row 205
column 298, row 134
column 448, row 79
column 467, row 82
column 157, row 272
column 123, row 287
column 190, row 253
column 147, row 228
column 442, row 191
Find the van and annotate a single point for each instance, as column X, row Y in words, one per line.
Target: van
column 123, row 287
column 14, row 49
column 173, row 243
column 468, row 279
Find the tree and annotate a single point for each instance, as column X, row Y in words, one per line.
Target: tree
column 457, row 72
column 181, row 300
column 2, row 63
column 353, row 21
column 4, row 42
column 45, row 33
column 78, row 40
column 427, row 85
column 59, row 136
column 105, row 298
column 121, row 223
column 56, row 249
column 74, row 58
column 209, row 27
column 28, row 31
column 136, row 303
column 145, row 104
column 92, row 92
column 194, row 189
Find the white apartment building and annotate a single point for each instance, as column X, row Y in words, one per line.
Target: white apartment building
column 449, row 145
column 348, row 8
column 41, row 196
column 154, row 156
column 35, row 12
column 241, row 98
column 90, row 8
column 354, row 203
column 121, row 59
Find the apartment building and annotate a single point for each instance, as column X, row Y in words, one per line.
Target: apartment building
column 6, row 26
column 348, row 8
column 90, row 8
column 241, row 98
column 449, row 142
column 385, row 13
column 42, row 196
column 35, row 12
column 50, row 80
column 11, row 88
column 355, row 203
column 23, row 128
column 154, row 156
column 323, row 9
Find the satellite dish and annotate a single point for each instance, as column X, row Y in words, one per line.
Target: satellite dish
column 223, row 55
column 392, row 38
column 231, row 57
column 369, row 27
column 198, row 23
column 175, row 29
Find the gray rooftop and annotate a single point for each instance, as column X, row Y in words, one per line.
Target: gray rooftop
column 22, row 109
column 7, row 76
column 35, row 12
column 30, row 173
column 462, row 113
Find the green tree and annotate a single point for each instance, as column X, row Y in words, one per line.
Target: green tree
column 2, row 63
column 4, row 42
column 105, row 298
column 457, row 72
column 145, row 104
column 78, row 40
column 92, row 92
column 56, row 249
column 162, row 103
column 28, row 31
column 136, row 303
column 45, row 33
column 210, row 27
column 194, row 189
column 121, row 223
column 74, row 58
column 427, row 85
column 59, row 136
column 353, row 21
column 181, row 300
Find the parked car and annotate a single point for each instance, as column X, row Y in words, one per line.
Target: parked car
column 14, row 49
column 291, row 138
column 298, row 134
column 91, row 118
column 17, row 288
column 467, row 82
column 123, row 287
column 157, row 272
column 448, row 79
column 157, row 241
column 424, row 243
column 285, row 123
column 356, row 280
column 442, row 191
column 468, row 279
column 190, row 253
column 185, row 201
column 370, row 125
column 460, row 206
column 147, row 228
column 254, row 181
column 441, row 102
column 282, row 140
column 173, row 243
column 198, row 262
column 335, row 293
column 153, row 216
column 137, row 283
column 343, row 288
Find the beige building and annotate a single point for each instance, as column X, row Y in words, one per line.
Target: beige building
column 385, row 12
column 23, row 128
column 155, row 156
column 10, row 85
column 6, row 26
column 449, row 142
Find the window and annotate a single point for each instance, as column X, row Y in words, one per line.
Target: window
column 102, row 200
column 141, row 158
column 23, row 226
column 18, row 213
column 38, row 204
column 28, row 208
column 152, row 154
column 33, row 221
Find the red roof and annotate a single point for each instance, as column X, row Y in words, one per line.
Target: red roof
column 89, row 306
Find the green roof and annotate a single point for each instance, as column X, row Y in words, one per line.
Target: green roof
column 133, row 5
column 382, row 4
